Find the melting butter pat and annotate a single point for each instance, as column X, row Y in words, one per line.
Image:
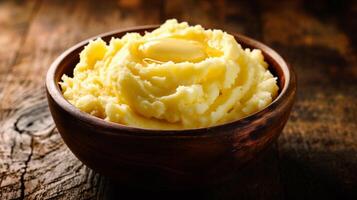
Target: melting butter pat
column 175, row 77
column 172, row 49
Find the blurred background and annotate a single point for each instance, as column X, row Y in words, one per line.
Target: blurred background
column 316, row 156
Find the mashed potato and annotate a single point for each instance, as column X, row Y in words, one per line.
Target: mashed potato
column 175, row 77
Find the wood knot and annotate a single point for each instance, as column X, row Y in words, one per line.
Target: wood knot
column 34, row 120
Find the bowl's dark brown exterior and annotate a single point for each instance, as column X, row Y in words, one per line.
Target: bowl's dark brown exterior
column 161, row 158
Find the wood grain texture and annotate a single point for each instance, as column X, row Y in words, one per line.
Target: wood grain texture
column 319, row 146
column 34, row 162
column 14, row 21
column 317, row 151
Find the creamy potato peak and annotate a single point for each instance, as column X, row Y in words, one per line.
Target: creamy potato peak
column 175, row 77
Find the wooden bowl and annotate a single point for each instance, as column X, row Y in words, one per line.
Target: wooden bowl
column 168, row 158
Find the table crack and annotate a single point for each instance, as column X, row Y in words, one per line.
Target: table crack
column 22, row 177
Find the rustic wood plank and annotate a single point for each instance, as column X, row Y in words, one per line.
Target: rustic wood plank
column 58, row 25
column 34, row 162
column 319, row 146
column 15, row 19
column 317, row 149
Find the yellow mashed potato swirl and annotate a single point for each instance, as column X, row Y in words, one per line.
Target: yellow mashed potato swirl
column 175, row 77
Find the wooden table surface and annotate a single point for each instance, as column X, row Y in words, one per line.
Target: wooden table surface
column 316, row 156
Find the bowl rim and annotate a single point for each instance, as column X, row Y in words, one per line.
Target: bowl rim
column 53, row 90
